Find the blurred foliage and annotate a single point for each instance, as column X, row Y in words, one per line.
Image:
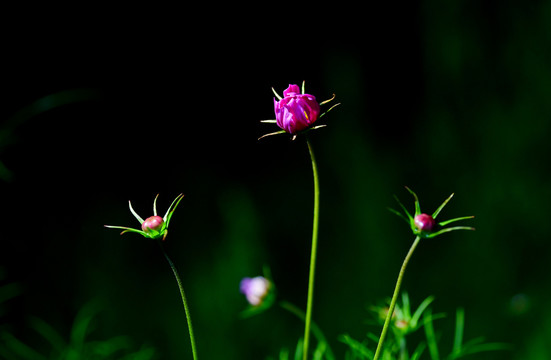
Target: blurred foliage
column 78, row 346
column 440, row 96
column 406, row 322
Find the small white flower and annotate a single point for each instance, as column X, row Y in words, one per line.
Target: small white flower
column 255, row 289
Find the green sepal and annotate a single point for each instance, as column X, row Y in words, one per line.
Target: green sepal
column 443, row 223
column 417, row 206
column 331, row 108
column 171, row 209
column 274, row 133
column 127, row 229
column 155, row 205
column 431, row 235
column 276, row 94
column 329, row 100
column 267, row 303
column 134, row 213
column 399, row 214
column 441, row 206
column 410, row 218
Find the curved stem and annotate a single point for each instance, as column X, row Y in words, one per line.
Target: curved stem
column 394, row 298
column 184, row 300
column 310, row 300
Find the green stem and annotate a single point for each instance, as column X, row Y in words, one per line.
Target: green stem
column 184, row 300
column 295, row 310
column 394, row 298
column 310, row 301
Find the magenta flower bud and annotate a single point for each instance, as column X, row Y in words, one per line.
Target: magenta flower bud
column 296, row 111
column 255, row 289
column 424, row 223
column 153, row 224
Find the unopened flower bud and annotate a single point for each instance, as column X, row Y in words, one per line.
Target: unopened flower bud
column 296, row 111
column 153, row 225
column 255, row 289
column 424, row 223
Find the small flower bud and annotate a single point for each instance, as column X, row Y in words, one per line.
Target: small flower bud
column 401, row 324
column 153, row 225
column 424, row 223
column 255, row 289
column 296, row 111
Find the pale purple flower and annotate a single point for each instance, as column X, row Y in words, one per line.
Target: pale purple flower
column 255, row 289
column 296, row 111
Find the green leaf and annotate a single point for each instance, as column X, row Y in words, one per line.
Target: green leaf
column 422, row 307
column 284, row 354
column 432, row 342
column 406, row 306
column 81, row 326
column 356, row 346
column 418, row 351
column 49, row 333
column 459, row 327
column 19, row 348
column 298, row 350
column 320, row 351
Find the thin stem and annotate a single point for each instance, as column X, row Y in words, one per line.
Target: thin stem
column 394, row 298
column 184, row 300
column 310, row 301
column 295, row 310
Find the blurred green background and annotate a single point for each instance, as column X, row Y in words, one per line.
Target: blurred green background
column 440, row 96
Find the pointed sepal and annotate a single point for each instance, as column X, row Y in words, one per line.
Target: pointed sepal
column 134, row 213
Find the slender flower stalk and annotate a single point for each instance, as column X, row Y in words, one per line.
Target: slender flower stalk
column 423, row 226
column 156, row 228
column 184, row 301
column 394, row 298
column 295, row 310
column 311, row 277
column 297, row 113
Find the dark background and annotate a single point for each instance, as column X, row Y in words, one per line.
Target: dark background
column 104, row 105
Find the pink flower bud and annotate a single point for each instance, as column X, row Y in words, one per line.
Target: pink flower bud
column 424, row 222
column 296, row 111
column 153, row 224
